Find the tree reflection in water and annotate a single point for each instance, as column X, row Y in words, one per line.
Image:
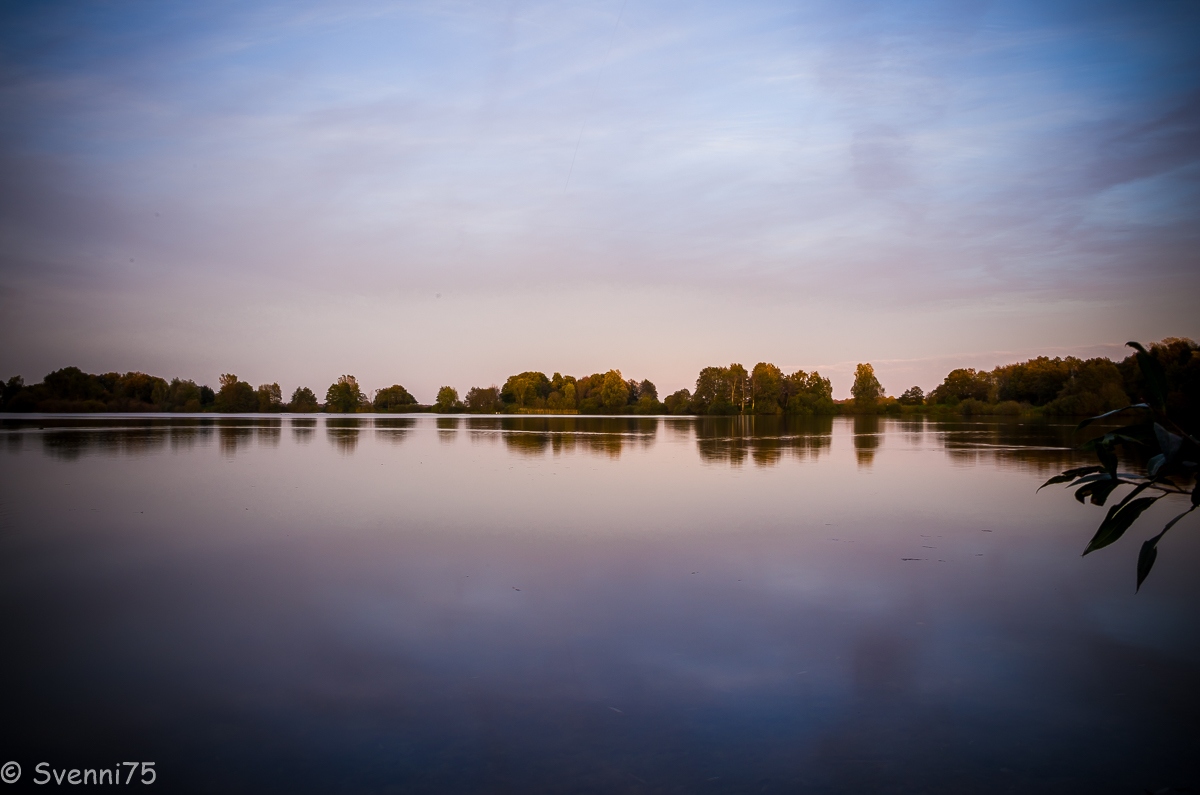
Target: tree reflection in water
column 447, row 429
column 608, row 436
column 867, row 435
column 303, row 429
column 343, row 432
column 766, row 440
column 393, row 429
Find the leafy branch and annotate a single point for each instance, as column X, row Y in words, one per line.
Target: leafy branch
column 1167, row 472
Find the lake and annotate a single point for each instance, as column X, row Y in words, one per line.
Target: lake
column 478, row 604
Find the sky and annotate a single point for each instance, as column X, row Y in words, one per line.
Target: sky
column 447, row 193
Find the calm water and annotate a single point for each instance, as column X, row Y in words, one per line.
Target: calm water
column 483, row 604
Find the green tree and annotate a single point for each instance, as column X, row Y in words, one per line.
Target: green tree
column 678, row 402
column 766, row 389
column 712, row 391
column 614, row 392
column 394, row 398
column 447, row 400
column 739, row 386
column 524, row 389
column 866, row 390
column 962, row 384
column 235, row 396
column 304, row 401
column 1092, row 387
column 1036, row 381
column 180, row 395
column 483, row 400
column 913, row 396
column 270, row 398
column 344, row 396
column 809, row 393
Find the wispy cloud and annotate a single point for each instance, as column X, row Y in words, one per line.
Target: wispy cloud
column 884, row 170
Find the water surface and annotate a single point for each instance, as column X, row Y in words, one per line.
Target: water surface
column 573, row 604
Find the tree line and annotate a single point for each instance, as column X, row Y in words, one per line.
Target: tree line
column 1059, row 386
column 1063, row 386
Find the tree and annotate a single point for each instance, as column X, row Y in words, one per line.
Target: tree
column 614, row 392
column 483, row 400
column 647, row 405
column 962, row 384
column 913, row 396
column 647, row 388
column 345, row 396
column 1036, row 381
column 303, row 400
column 809, row 393
column 394, row 398
column 678, row 402
column 1092, row 387
column 270, row 398
column 1169, row 471
column 11, row 387
column 739, row 386
column 235, row 396
column 525, row 388
column 766, row 389
column 447, row 400
column 712, row 391
column 866, row 390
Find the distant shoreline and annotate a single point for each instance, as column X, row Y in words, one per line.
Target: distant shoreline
column 1067, row 387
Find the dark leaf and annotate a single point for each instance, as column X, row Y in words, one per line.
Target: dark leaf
column 1150, row 550
column 1102, row 490
column 1168, row 442
column 1146, row 560
column 1099, row 487
column 1155, row 464
column 1091, row 478
column 1120, row 518
column 1090, row 420
column 1106, row 455
column 1069, row 475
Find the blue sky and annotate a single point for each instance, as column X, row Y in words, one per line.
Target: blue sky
column 447, row 193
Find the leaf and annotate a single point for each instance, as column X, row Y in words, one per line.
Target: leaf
column 1168, row 442
column 1098, row 487
column 1069, row 475
column 1090, row 420
column 1155, row 377
column 1149, row 551
column 1091, row 478
column 1107, row 457
column 1120, row 518
column 1146, row 559
column 1155, row 464
column 1102, row 490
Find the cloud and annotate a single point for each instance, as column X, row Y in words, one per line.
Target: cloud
column 841, row 160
